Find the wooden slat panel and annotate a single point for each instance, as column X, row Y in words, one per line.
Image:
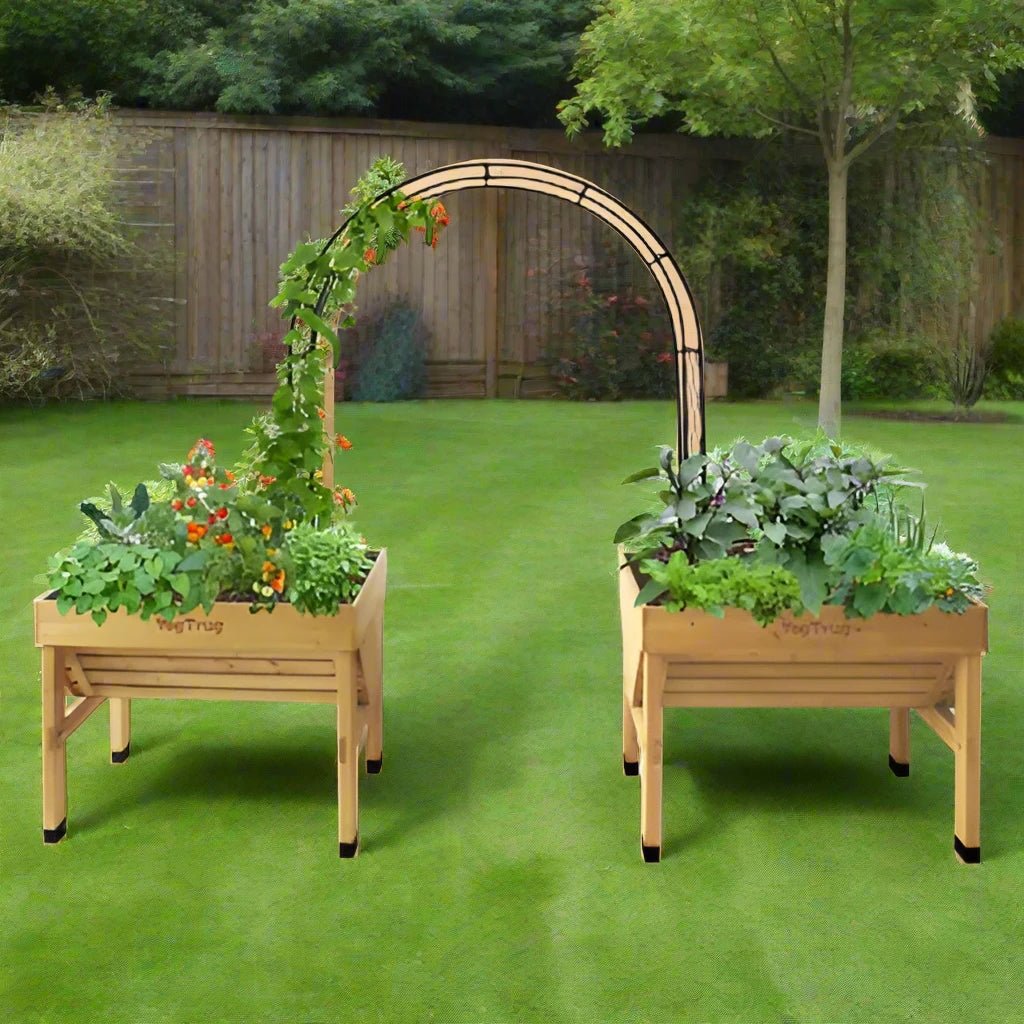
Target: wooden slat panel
column 793, row 699
column 166, row 663
column 278, row 681
column 209, row 693
column 687, row 673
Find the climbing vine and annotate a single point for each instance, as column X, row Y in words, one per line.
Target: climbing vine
column 317, row 291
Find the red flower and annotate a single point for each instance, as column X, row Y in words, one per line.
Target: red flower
column 225, row 538
column 191, row 502
column 664, row 357
column 266, row 481
column 222, row 513
column 343, row 442
column 176, row 504
column 202, row 447
column 370, row 256
column 211, row 519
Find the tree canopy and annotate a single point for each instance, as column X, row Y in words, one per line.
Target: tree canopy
column 492, row 61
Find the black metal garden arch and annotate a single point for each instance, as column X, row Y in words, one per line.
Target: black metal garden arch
column 688, row 346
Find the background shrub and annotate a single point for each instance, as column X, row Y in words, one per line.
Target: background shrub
column 76, row 291
column 878, row 366
column 619, row 340
column 391, row 357
column 1006, row 360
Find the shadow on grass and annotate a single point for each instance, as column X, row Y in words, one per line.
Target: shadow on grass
column 433, row 748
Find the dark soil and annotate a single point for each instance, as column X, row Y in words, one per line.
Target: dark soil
column 923, row 415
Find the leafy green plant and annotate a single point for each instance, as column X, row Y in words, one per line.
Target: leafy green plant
column 766, row 591
column 328, row 567
column 392, row 357
column 784, row 496
column 798, row 511
column 873, row 570
column 100, row 578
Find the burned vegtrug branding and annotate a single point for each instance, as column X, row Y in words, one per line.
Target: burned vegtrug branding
column 816, row 629
column 191, row 626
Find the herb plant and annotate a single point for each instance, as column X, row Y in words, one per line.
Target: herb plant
column 766, row 591
column 327, row 566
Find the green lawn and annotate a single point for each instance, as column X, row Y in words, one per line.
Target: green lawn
column 501, row 877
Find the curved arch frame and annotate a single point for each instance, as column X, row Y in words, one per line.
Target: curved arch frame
column 688, row 345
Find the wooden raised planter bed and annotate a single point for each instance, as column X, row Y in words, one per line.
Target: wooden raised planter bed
column 230, row 654
column 929, row 663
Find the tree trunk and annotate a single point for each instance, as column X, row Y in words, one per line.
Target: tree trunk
column 829, row 400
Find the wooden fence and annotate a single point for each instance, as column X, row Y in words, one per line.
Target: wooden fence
column 233, row 195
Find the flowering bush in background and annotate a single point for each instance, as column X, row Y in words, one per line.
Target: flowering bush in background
column 619, row 344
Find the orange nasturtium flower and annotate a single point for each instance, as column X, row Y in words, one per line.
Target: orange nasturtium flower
column 343, row 442
column 277, row 583
column 344, row 497
column 198, row 448
column 322, row 413
column 266, row 529
column 266, row 481
column 370, row 256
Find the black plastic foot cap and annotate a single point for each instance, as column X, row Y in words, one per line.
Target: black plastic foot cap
column 373, row 766
column 968, row 854
column 652, row 854
column 630, row 767
column 898, row 767
column 348, row 849
column 120, row 756
column 55, row 835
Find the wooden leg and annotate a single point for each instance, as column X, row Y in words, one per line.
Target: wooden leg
column 967, row 798
column 120, row 729
column 630, row 742
column 55, row 766
column 651, row 749
column 899, row 741
column 348, row 758
column 372, row 659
